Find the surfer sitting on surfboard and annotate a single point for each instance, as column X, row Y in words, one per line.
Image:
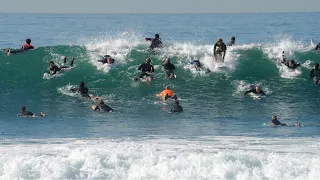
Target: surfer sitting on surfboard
column 276, row 122
column 102, row 106
column 146, row 69
column 27, row 46
column 53, row 69
column 218, row 49
column 257, row 90
column 315, row 74
column 168, row 68
column 26, row 113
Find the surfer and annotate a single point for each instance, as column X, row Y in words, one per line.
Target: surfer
column 232, row 42
column 283, row 59
column 315, row 74
column 276, row 122
column 256, row 90
column 155, row 42
column 27, row 46
column 196, row 64
column 317, row 47
column 102, row 106
column 291, row 64
column 168, row 68
column 176, row 106
column 26, row 113
column 107, row 59
column 83, row 90
column 219, row 48
column 53, row 69
column 146, row 69
column 167, row 93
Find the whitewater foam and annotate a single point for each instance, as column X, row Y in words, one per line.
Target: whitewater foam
column 206, row 158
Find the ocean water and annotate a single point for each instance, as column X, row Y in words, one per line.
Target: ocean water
column 220, row 134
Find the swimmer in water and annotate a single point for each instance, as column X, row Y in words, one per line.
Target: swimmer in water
column 176, row 106
column 197, row 64
column 232, row 42
column 315, row 74
column 27, row 46
column 257, row 90
column 276, row 122
column 103, row 107
column 26, row 113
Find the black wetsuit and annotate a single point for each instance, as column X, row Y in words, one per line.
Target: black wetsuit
column 105, row 61
column 176, row 107
column 221, row 48
column 315, row 75
column 156, row 43
column 168, row 67
column 231, row 43
column 318, row 47
column 292, row 67
column 54, row 69
column 82, row 90
column 146, row 68
column 103, row 107
column 26, row 113
column 255, row 92
column 23, row 49
column 276, row 122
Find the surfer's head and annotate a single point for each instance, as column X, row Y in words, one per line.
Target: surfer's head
column 167, row 87
column 233, row 39
column 219, row 41
column 258, row 89
column 109, row 60
column 157, row 36
column 100, row 101
column 316, row 66
column 168, row 60
column 28, row 41
column 23, row 108
column 51, row 64
column 148, row 60
column 274, row 117
column 81, row 84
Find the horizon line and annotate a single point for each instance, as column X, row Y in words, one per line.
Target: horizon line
column 173, row 13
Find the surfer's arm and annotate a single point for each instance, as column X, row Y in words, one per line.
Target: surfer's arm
column 97, row 108
column 311, row 75
column 149, row 39
column 250, row 91
column 152, row 69
column 263, row 92
column 317, row 47
column 214, row 50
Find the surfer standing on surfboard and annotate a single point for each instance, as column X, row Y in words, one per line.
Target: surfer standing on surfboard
column 219, row 48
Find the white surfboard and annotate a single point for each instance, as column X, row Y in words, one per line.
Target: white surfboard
column 314, row 43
